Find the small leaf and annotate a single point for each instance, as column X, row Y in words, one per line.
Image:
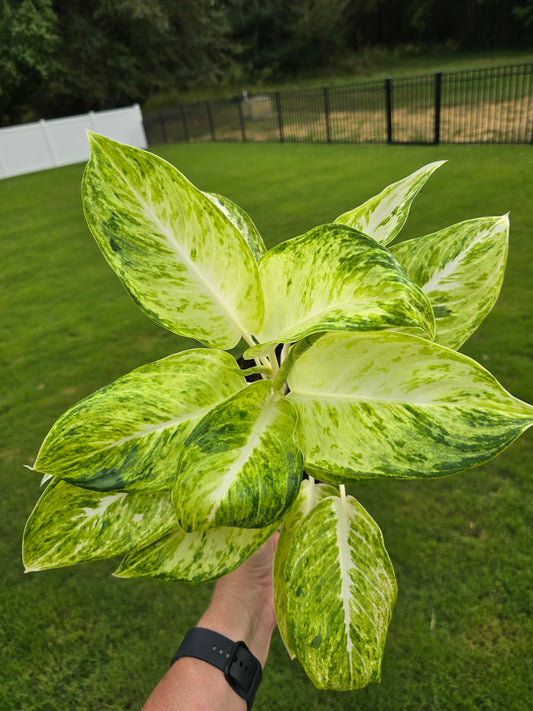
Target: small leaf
column 388, row 404
column 295, row 351
column 384, row 215
column 241, row 466
column 197, row 557
column 309, row 496
column 70, row 525
column 334, row 278
column 461, row 270
column 185, row 264
column 128, row 435
column 242, row 221
column 340, row 589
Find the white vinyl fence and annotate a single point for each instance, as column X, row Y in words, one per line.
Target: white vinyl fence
column 62, row 141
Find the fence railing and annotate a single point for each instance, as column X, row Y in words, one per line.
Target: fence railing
column 474, row 106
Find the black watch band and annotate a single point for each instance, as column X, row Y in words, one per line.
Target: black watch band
column 242, row 670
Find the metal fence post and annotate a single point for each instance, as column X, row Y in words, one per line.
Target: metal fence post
column 388, row 107
column 280, row 118
column 163, row 126
column 438, row 92
column 184, row 122
column 210, row 120
column 326, row 113
column 241, row 121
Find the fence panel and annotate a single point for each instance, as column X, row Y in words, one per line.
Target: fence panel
column 303, row 116
column 260, row 117
column 475, row 106
column 227, row 124
column 166, row 126
column 358, row 114
column 197, row 122
column 413, row 110
column 63, row 141
column 487, row 105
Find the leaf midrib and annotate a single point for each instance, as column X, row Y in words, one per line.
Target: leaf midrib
column 160, row 427
column 419, row 403
column 267, row 414
column 174, row 245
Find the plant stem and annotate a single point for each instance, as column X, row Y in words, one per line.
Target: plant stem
column 249, row 338
column 343, row 492
column 265, row 362
column 273, row 361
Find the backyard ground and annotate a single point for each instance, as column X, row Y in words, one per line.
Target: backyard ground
column 79, row 639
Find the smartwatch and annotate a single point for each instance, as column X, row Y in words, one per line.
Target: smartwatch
column 242, row 670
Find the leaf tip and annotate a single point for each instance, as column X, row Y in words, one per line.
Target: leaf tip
column 97, row 140
column 432, row 167
column 30, row 566
column 92, row 137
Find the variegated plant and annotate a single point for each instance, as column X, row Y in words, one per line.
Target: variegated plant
column 185, row 466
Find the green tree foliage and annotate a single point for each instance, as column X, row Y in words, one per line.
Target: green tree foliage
column 68, row 56
column 59, row 57
column 28, row 43
column 127, row 49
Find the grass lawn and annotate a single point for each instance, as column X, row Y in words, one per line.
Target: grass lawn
column 76, row 638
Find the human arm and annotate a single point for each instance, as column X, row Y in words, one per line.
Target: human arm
column 242, row 608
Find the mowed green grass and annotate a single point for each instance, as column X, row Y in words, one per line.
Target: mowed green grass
column 76, row 638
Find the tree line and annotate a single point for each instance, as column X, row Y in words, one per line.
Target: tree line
column 60, row 57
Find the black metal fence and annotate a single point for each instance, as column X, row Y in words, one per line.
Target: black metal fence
column 475, row 106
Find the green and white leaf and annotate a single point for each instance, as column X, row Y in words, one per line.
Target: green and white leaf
column 340, row 589
column 461, row 270
column 242, row 221
column 384, row 215
column 197, row 557
column 71, row 525
column 129, row 434
column 334, row 278
column 241, row 466
column 182, row 261
column 391, row 405
column 309, row 496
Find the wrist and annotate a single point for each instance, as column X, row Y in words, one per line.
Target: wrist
column 242, row 614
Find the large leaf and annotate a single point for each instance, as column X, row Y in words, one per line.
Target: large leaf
column 340, row 590
column 388, row 404
column 197, row 557
column 128, row 435
column 309, row 496
column 384, row 215
column 242, row 221
column 461, row 270
column 70, row 525
column 241, row 466
column 334, row 278
column 182, row 260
